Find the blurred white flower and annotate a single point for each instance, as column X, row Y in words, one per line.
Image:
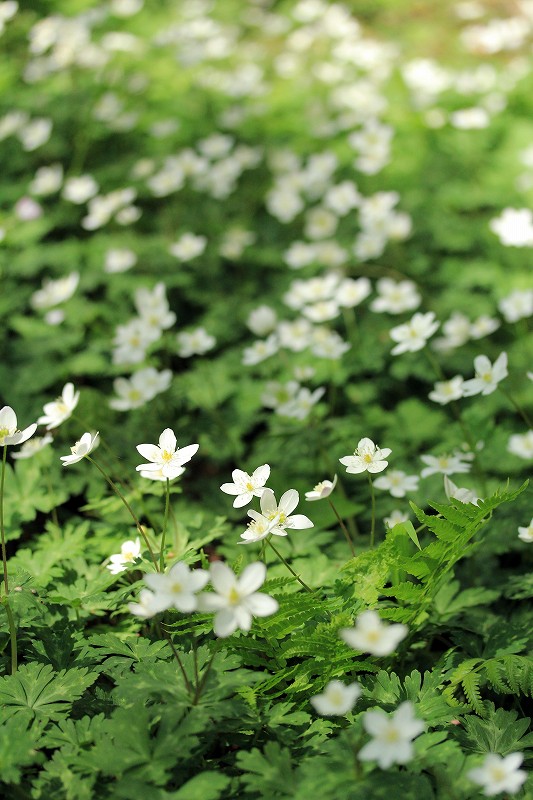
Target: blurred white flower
column 236, row 599
column 517, row 305
column 33, row 446
column 336, row 699
column 413, row 335
column 526, row 533
column 514, row 227
column 61, row 409
column 445, row 464
column 119, row 259
column 499, row 774
column 397, row 483
column 82, row 448
column 79, row 189
column 194, row 343
column 457, row 493
column 178, row 587
column 392, row 735
column 488, row 376
column 521, row 445
column 130, row 551
column 371, row 635
column 188, row 246
column 53, row 292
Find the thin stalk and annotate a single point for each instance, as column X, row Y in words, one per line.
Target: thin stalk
column 343, row 528
column 517, row 407
column 2, row 529
column 177, row 657
column 9, row 613
column 373, row 501
column 165, row 524
column 201, row 685
column 137, row 523
column 300, row 581
column 12, row 635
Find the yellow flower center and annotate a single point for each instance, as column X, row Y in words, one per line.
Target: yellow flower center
column 166, row 455
column 497, row 774
column 176, row 588
column 233, row 597
column 392, row 735
column 4, row 432
column 367, row 458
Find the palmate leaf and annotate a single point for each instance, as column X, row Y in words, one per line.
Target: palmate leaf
column 17, row 748
column 36, row 691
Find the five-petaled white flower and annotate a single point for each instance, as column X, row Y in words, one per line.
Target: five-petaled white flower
column 521, row 445
column 397, row 482
column 526, row 533
column 129, row 552
column 245, row 486
column 149, row 605
column 61, row 409
column 371, row 635
column 236, row 599
column 499, row 774
column 274, row 519
column 446, row 464
column 321, row 490
column 33, row 446
column 488, row 375
column 336, row 699
column 413, row 335
column 178, row 587
column 82, row 448
column 445, row 392
column 368, row 457
column 167, row 457
column 393, row 735
column 458, row 493
column 9, row 433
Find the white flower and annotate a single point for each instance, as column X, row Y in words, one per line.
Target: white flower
column 351, row 292
column 457, row 493
column 153, row 308
column 143, row 386
column 82, row 448
column 61, row 409
column 47, row 180
column 393, row 735
column 470, row 118
column 147, row 606
column 262, row 320
column 446, row 391
column 413, row 335
column 398, row 483
column 129, row 552
column 245, row 486
column 281, row 514
column 301, row 405
column 367, row 457
column 521, row 445
column 33, row 446
column 236, row 600
column 445, row 464
column 371, row 635
column 517, row 305
column 526, row 534
column 488, row 375
column 195, row 342
column 9, row 433
column 499, row 774
column 53, row 292
column 260, row 350
column 336, row 699
column 514, row 227
column 166, row 457
column 396, row 517
column 35, row 133
column 188, row 246
column 321, row 490
column 484, row 326
column 178, row 587
column 119, row 260
column 79, row 189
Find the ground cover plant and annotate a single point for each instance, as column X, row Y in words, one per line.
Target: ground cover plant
column 266, row 399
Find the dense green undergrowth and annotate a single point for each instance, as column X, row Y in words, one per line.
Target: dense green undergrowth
column 276, row 230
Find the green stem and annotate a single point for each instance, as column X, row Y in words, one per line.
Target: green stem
column 201, row 685
column 373, row 501
column 177, row 657
column 2, row 529
column 137, row 523
column 300, row 581
column 165, row 524
column 343, row 527
column 12, row 635
column 517, row 407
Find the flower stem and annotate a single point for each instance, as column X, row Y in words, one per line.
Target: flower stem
column 137, row 523
column 517, row 407
column 201, row 685
column 5, row 600
column 165, row 524
column 343, row 528
column 2, row 530
column 373, row 501
column 300, row 581
column 177, row 657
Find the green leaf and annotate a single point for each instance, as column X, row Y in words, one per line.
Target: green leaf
column 37, row 690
